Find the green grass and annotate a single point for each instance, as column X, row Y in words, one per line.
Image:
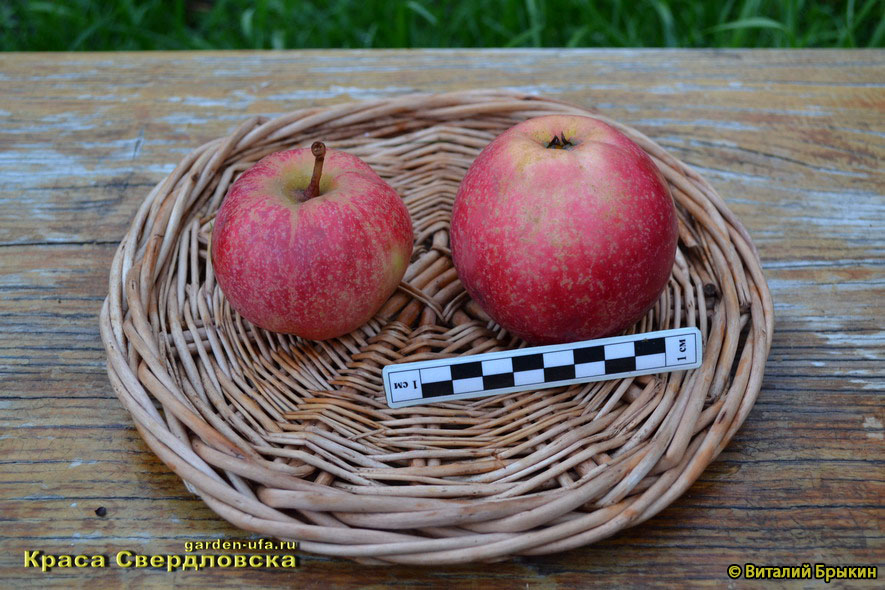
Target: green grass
column 276, row 24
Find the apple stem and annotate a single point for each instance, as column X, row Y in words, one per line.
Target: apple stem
column 560, row 143
column 318, row 149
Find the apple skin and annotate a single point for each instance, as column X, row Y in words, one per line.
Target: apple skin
column 561, row 245
column 317, row 268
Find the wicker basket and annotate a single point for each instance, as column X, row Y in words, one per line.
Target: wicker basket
column 292, row 438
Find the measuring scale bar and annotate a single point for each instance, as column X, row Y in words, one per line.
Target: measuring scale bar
column 539, row 367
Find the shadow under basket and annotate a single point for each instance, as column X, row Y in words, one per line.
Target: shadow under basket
column 293, row 439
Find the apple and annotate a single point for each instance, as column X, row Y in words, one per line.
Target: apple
column 563, row 229
column 315, row 254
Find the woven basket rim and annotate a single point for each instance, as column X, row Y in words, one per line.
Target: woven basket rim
column 262, row 427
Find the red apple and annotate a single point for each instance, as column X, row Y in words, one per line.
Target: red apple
column 563, row 229
column 312, row 254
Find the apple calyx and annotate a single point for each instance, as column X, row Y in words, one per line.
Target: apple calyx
column 318, row 149
column 560, row 142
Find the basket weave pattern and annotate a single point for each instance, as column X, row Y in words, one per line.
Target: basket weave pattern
column 293, row 439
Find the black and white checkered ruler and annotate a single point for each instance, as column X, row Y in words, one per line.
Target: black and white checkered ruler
column 539, row 367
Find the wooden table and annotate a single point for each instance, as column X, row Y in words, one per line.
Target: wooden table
column 794, row 141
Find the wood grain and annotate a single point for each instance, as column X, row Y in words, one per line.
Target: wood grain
column 794, row 141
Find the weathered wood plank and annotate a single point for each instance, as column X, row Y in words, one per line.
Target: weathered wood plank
column 792, row 140
column 88, row 132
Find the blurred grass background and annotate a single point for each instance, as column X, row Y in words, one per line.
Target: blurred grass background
column 96, row 25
